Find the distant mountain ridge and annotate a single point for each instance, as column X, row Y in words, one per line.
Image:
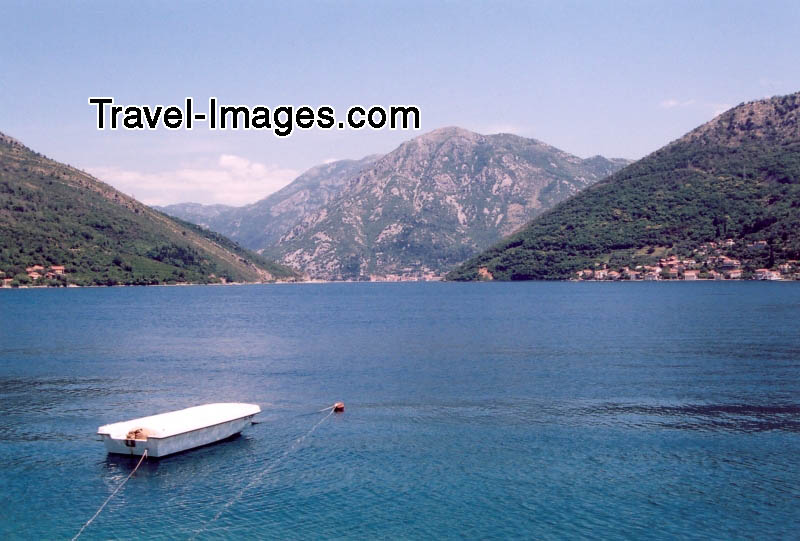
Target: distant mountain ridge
column 734, row 179
column 259, row 225
column 197, row 213
column 60, row 226
column 432, row 203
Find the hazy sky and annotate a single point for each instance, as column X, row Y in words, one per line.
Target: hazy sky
column 613, row 78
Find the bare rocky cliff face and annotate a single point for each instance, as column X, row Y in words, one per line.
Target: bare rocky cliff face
column 261, row 224
column 432, row 203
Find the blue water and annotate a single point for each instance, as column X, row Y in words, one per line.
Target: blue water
column 532, row 410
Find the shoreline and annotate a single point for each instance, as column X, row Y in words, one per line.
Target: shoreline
column 312, row 282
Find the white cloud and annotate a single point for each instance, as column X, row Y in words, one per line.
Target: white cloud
column 233, row 180
column 672, row 103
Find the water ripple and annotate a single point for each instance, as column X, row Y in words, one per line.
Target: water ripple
column 703, row 417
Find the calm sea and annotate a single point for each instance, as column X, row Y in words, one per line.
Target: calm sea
column 479, row 411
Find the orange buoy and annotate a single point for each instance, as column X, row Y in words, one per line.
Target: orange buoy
column 338, row 407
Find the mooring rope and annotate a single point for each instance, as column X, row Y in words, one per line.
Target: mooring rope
column 77, row 535
column 262, row 473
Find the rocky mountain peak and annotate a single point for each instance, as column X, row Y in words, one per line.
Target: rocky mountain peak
column 447, row 132
column 432, row 202
column 420, row 150
column 776, row 118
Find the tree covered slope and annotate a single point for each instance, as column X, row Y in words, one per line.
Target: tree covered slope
column 54, row 215
column 736, row 177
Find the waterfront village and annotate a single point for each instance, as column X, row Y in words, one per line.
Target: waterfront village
column 710, row 261
column 53, row 275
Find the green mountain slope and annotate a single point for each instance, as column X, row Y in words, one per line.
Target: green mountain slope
column 54, row 215
column 736, row 177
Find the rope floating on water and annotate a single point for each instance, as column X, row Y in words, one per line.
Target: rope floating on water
column 77, row 535
column 265, row 471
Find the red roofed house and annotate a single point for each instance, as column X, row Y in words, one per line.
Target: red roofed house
column 760, row 274
column 727, row 263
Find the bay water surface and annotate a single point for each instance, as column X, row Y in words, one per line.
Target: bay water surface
column 479, row 411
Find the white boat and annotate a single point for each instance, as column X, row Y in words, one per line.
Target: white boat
column 176, row 431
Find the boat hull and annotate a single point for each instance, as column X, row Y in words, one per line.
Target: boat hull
column 160, row 447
